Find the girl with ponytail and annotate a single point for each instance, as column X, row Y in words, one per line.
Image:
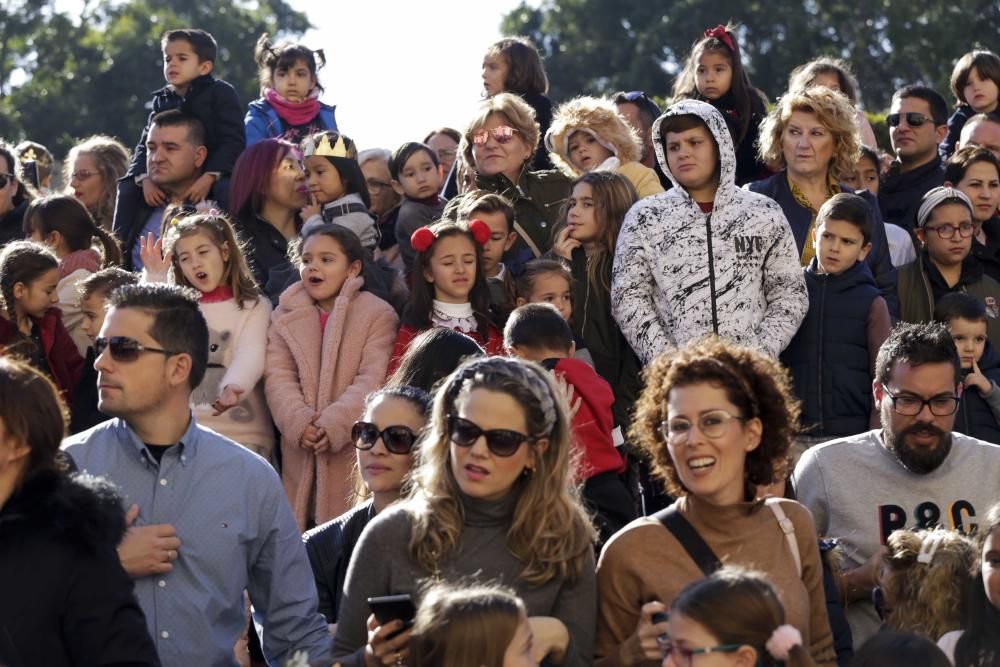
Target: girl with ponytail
column 63, row 224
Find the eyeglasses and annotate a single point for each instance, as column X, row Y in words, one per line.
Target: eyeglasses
column 878, row 601
column 682, row 656
column 499, row 441
column 125, row 349
column 447, row 153
column 911, row 406
column 714, row 424
column 82, row 175
column 502, row 133
column 375, row 187
column 397, row 439
column 965, row 230
column 7, row 179
column 913, row 119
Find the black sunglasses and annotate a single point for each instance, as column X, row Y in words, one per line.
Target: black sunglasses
column 7, row 179
column 397, row 439
column 125, row 349
column 913, row 119
column 500, row 441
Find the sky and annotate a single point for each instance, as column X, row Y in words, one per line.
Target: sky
column 397, row 69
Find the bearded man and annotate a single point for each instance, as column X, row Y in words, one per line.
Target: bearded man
column 912, row 473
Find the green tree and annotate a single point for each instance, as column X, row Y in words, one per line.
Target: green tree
column 94, row 73
column 599, row 46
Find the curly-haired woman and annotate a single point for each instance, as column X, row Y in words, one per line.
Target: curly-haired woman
column 717, row 421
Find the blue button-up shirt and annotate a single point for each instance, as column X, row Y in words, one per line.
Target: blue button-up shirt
column 237, row 534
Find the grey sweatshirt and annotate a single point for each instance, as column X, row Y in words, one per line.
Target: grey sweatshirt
column 382, row 565
column 859, row 493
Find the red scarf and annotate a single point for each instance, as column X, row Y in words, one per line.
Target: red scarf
column 291, row 113
column 88, row 259
column 220, row 293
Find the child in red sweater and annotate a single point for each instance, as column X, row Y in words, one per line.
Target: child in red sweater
column 537, row 332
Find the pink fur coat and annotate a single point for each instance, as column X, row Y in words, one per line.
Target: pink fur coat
column 312, row 374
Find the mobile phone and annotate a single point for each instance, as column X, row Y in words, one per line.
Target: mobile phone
column 388, row 608
column 29, row 171
column 660, row 617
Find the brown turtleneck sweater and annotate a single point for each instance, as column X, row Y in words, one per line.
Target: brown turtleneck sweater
column 644, row 562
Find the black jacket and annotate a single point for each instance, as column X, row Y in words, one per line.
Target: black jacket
column 12, row 224
column 955, row 124
column 879, row 260
column 975, row 417
column 64, row 597
column 265, row 249
column 543, row 115
column 989, row 254
column 218, row 107
column 329, row 548
column 614, row 359
column 84, row 413
column 900, row 193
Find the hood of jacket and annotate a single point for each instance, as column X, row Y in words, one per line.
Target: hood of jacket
column 79, row 510
column 723, row 139
column 600, row 118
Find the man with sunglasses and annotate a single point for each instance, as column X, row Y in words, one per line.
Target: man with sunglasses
column 917, row 123
column 914, row 472
column 208, row 519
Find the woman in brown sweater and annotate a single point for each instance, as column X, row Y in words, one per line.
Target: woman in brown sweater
column 717, row 421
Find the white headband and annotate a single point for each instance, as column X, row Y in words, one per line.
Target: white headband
column 934, row 198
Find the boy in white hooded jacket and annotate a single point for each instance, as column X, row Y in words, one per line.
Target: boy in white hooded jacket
column 705, row 256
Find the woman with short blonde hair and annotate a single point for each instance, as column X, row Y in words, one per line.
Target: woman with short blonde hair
column 811, row 135
column 498, row 145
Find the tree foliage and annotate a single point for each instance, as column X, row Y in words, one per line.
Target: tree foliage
column 599, row 46
column 94, row 73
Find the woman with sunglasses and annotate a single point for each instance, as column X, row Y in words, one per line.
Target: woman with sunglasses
column 811, row 135
column 717, row 421
column 499, row 145
column 492, row 500
column 945, row 262
column 14, row 196
column 384, row 438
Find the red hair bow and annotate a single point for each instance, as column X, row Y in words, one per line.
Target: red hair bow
column 422, row 239
column 719, row 33
column 480, row 231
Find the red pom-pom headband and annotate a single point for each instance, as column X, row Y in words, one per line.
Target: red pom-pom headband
column 719, row 33
column 422, row 239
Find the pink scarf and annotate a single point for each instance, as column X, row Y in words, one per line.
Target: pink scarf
column 291, row 113
column 88, row 259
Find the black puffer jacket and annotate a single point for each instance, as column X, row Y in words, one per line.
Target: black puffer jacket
column 64, row 597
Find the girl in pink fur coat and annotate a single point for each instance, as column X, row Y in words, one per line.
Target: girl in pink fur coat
column 328, row 347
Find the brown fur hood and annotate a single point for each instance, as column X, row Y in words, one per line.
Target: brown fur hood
column 601, row 117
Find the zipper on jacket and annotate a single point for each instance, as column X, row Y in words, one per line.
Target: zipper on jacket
column 711, row 275
column 819, row 359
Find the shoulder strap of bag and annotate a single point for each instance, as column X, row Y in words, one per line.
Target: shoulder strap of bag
column 689, row 538
column 788, row 528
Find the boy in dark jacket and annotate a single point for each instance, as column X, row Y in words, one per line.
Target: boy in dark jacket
column 188, row 59
column 537, row 332
column 832, row 357
column 979, row 411
column 94, row 292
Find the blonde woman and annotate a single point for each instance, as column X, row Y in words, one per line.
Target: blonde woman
column 499, row 145
column 812, row 137
column 493, row 500
column 91, row 174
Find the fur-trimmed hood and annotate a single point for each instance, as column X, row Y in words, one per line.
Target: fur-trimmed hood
column 80, row 510
column 601, row 118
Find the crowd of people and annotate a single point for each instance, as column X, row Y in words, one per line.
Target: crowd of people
column 598, row 384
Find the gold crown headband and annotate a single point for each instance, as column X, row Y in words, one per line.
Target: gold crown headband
column 324, row 149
